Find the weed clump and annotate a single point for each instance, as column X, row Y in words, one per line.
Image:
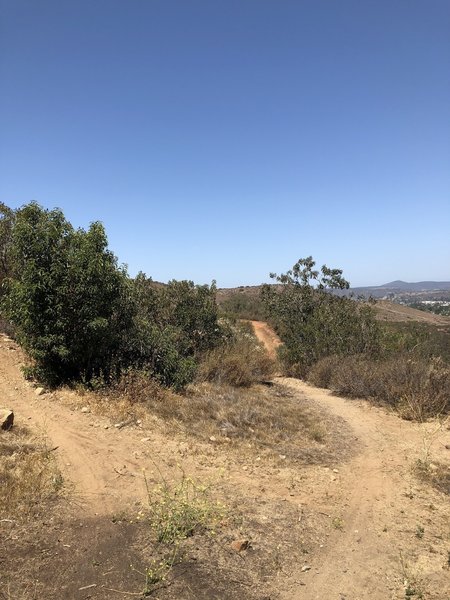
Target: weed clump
column 178, row 510
column 28, row 474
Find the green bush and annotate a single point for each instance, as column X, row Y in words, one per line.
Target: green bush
column 173, row 326
column 81, row 318
column 241, row 305
column 66, row 297
column 313, row 323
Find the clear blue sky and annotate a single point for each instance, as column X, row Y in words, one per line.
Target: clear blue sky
column 227, row 138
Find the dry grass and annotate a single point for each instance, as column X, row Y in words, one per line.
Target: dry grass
column 241, row 363
column 435, row 473
column 417, row 388
column 264, row 416
column 28, row 474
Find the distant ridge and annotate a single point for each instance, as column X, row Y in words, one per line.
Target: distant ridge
column 418, row 286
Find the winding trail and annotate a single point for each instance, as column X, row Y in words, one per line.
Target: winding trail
column 373, row 506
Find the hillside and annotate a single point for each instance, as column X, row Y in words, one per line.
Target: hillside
column 391, row 311
column 386, row 310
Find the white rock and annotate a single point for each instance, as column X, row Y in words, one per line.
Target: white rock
column 306, row 568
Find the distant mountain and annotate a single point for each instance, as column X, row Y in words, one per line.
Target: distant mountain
column 420, row 286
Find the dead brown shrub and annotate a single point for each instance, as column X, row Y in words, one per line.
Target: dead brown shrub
column 241, row 363
column 28, row 474
column 418, row 388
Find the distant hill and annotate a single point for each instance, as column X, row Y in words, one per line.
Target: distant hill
column 398, row 288
column 420, row 286
column 387, row 306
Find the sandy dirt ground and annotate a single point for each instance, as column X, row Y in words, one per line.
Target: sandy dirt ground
column 375, row 531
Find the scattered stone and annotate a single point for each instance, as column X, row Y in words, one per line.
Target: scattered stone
column 85, row 409
column 6, row 418
column 240, row 545
column 39, row 391
column 447, row 446
column 146, row 439
column 105, row 426
column 123, row 424
column 212, row 439
column 335, row 471
column 282, row 456
column 306, row 568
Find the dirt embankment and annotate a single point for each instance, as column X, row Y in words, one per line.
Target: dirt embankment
column 352, row 529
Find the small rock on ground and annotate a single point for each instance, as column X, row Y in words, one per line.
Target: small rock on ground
column 6, row 418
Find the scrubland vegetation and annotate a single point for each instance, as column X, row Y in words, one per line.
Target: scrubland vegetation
column 81, row 318
column 168, row 360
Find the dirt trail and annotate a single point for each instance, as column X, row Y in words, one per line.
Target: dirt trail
column 376, row 506
column 371, row 507
column 267, row 336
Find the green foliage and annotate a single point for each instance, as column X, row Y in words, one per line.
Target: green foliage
column 180, row 509
column 312, row 322
column 67, row 298
column 80, row 317
column 241, row 305
column 7, row 217
column 417, row 388
column 421, row 340
column 173, row 326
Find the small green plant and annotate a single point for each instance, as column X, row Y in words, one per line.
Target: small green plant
column 338, row 523
column 413, row 585
column 420, row 532
column 178, row 510
column 158, row 570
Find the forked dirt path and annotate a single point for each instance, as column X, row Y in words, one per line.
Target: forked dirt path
column 379, row 525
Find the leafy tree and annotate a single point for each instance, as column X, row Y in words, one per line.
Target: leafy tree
column 67, row 297
column 173, row 325
column 311, row 321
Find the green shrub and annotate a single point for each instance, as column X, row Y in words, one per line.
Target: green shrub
column 66, row 297
column 81, row 318
column 173, row 326
column 241, row 305
column 312, row 323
